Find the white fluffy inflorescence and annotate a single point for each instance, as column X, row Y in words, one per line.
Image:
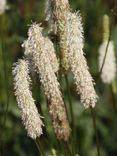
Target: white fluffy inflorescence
column 56, row 15
column 3, row 6
column 108, row 72
column 37, row 44
column 48, row 48
column 49, row 14
column 56, row 12
column 30, row 116
column 51, row 54
column 83, row 80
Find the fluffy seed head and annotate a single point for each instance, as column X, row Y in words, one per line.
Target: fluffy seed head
column 56, row 15
column 109, row 69
column 48, row 47
column 51, row 54
column 83, row 80
column 30, row 116
column 38, row 47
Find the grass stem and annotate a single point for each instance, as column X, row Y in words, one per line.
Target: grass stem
column 71, row 113
column 96, row 133
column 38, row 144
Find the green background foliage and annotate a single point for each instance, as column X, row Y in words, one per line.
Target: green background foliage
column 13, row 30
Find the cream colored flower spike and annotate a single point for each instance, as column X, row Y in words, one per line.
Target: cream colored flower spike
column 109, row 69
column 51, row 54
column 56, row 12
column 56, row 15
column 83, row 80
column 38, row 47
column 48, row 48
column 30, row 116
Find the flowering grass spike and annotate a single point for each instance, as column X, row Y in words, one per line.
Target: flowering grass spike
column 30, row 116
column 38, row 47
column 83, row 80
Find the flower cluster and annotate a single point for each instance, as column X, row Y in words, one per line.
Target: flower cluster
column 56, row 15
column 40, row 53
column 69, row 28
column 30, row 116
column 46, row 66
column 83, row 80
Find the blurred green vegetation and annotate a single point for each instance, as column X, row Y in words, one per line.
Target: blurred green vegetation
column 13, row 30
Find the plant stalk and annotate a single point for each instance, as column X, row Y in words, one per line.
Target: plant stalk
column 71, row 113
column 96, row 133
column 41, row 152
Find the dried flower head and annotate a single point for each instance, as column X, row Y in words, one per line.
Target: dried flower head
column 83, row 80
column 38, row 47
column 30, row 116
column 56, row 12
column 56, row 15
column 3, row 6
column 48, row 47
column 109, row 69
column 28, row 56
column 51, row 54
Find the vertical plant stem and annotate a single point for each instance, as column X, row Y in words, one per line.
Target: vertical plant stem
column 38, row 144
column 69, row 99
column 64, row 152
column 96, row 133
column 114, row 99
column 105, row 52
column 38, row 147
column 68, row 149
column 104, row 57
column 71, row 113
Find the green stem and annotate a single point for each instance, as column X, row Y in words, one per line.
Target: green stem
column 96, row 133
column 38, row 147
column 71, row 113
column 104, row 57
column 38, row 144
column 105, row 52
column 69, row 99
column 68, row 149
column 64, row 151
column 114, row 99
